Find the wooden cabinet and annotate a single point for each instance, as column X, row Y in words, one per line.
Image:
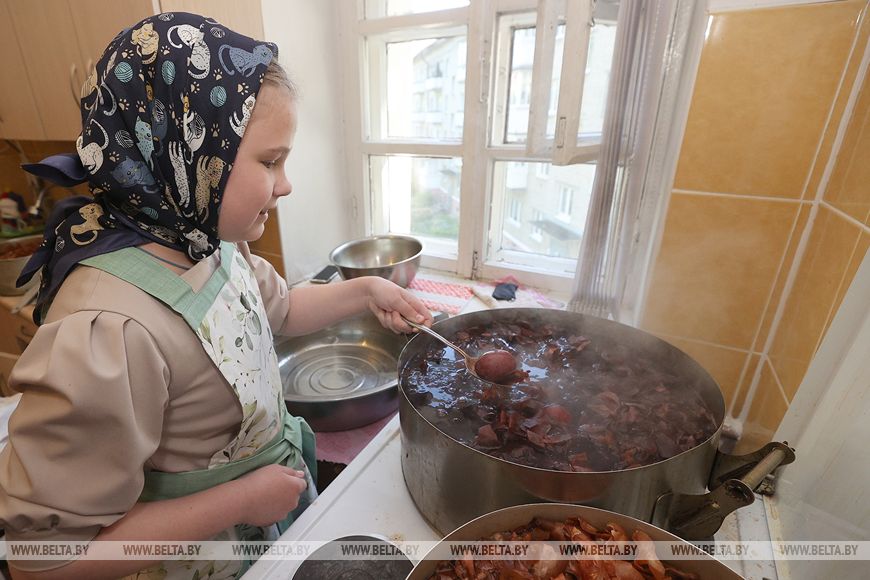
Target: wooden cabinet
column 16, row 330
column 54, row 64
column 7, row 362
column 50, row 47
column 97, row 22
column 243, row 16
column 57, row 39
column 19, row 118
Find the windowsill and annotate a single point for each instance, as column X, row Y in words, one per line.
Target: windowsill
column 483, row 302
column 477, row 303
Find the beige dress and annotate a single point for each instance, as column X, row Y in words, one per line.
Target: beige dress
column 113, row 381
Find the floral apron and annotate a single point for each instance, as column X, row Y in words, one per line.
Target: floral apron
column 228, row 316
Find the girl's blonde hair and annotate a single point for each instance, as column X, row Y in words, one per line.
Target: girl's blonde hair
column 276, row 75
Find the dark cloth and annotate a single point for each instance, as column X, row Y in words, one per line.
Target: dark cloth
column 505, row 291
column 164, row 112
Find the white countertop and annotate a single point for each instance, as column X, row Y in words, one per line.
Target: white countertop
column 370, row 497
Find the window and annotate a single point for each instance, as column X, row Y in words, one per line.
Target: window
column 522, row 50
column 453, row 146
column 537, row 233
column 566, row 202
column 430, row 106
column 380, row 8
column 420, row 195
column 559, row 217
column 516, row 211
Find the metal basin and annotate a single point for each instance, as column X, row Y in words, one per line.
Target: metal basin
column 341, row 377
column 396, row 258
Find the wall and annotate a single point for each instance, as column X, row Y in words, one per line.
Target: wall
column 316, row 217
column 758, row 246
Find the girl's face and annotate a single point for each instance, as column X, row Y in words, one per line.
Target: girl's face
column 257, row 179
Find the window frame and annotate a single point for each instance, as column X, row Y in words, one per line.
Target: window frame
column 476, row 240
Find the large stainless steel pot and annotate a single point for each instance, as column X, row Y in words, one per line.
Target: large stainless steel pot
column 452, row 483
column 702, row 564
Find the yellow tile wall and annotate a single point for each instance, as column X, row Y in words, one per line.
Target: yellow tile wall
column 813, row 298
column 766, row 83
column 711, row 282
column 772, row 88
column 767, row 410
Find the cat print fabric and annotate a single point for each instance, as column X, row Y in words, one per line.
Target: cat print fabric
column 163, row 113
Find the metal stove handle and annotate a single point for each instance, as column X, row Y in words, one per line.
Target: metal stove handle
column 735, row 478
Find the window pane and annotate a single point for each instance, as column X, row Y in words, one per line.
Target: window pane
column 601, row 42
column 380, row 8
column 543, row 207
column 519, row 84
column 426, row 88
column 555, row 84
column 418, row 195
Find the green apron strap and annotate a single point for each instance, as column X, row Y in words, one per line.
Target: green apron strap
column 296, row 437
column 138, row 268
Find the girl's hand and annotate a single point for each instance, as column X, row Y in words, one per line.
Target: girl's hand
column 390, row 302
column 269, row 493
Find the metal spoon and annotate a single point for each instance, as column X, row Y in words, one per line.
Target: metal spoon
column 471, row 362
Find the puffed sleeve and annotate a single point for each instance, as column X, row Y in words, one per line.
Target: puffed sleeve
column 95, row 386
column 273, row 288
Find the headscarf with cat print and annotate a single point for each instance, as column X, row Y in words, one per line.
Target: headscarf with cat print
column 163, row 114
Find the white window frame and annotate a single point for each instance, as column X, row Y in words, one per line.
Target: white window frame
column 501, row 83
column 564, row 148
column 479, row 154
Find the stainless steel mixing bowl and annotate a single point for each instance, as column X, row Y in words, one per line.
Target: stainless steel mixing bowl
column 394, row 257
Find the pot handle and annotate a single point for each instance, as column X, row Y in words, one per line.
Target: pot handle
column 733, row 483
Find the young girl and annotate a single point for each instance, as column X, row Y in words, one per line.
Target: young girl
column 152, row 405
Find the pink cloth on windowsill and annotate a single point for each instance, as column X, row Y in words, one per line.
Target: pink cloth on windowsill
column 343, row 446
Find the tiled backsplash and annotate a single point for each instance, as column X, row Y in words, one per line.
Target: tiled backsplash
column 770, row 95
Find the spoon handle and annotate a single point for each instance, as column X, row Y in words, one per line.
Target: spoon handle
column 437, row 336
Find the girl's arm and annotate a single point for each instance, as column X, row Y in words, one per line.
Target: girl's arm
column 260, row 498
column 315, row 307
